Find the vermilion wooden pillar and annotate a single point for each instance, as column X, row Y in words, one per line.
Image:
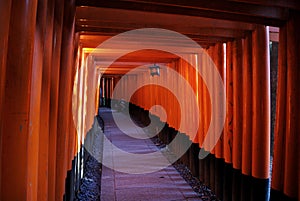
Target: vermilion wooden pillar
column 5, row 7
column 219, row 176
column 64, row 100
column 200, row 101
column 72, row 130
column 219, row 62
column 245, row 191
column 285, row 183
column 261, row 103
column 247, row 106
column 18, row 143
column 237, row 66
column 45, row 20
column 280, row 125
column 291, row 168
column 212, row 137
column 229, row 106
column 35, row 101
column 228, row 128
column 205, row 101
column 54, row 86
column 210, row 65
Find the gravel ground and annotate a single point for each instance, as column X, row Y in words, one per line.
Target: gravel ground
column 90, row 184
column 90, row 188
column 202, row 190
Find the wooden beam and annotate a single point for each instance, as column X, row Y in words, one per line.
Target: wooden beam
column 292, row 4
column 107, row 26
column 222, row 6
column 201, row 37
column 189, row 11
column 155, row 19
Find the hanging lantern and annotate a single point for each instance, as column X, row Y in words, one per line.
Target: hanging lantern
column 154, row 70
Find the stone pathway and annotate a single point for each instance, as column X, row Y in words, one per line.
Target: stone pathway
column 163, row 185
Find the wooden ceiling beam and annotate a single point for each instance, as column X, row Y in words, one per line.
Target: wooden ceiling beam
column 157, row 20
column 94, row 41
column 190, row 11
column 222, row 6
column 186, row 30
column 201, row 34
column 291, row 4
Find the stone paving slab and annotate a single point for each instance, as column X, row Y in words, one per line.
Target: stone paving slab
column 163, row 185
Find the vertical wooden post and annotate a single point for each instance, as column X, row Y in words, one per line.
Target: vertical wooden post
column 44, row 45
column 237, row 64
column 5, row 7
column 247, row 119
column 291, row 168
column 64, row 101
column 200, row 100
column 280, row 125
column 18, row 126
column 201, row 88
column 228, row 128
column 261, row 103
column 219, row 62
column 247, row 106
column 229, row 106
column 54, row 91
column 210, row 65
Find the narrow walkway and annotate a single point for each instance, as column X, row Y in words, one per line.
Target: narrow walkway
column 162, row 185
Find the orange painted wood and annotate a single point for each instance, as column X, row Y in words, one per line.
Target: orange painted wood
column 280, row 124
column 72, row 150
column 43, row 52
column 261, row 103
column 291, row 168
column 72, row 137
column 67, row 52
column 209, row 67
column 228, row 128
column 20, row 183
column 5, row 7
column 237, row 66
column 219, row 62
column 194, row 84
column 200, row 101
column 206, row 100
column 247, row 106
column 54, row 91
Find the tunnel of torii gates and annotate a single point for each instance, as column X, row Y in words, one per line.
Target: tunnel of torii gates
column 44, row 56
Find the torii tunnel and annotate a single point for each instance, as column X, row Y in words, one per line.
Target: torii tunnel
column 227, row 84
